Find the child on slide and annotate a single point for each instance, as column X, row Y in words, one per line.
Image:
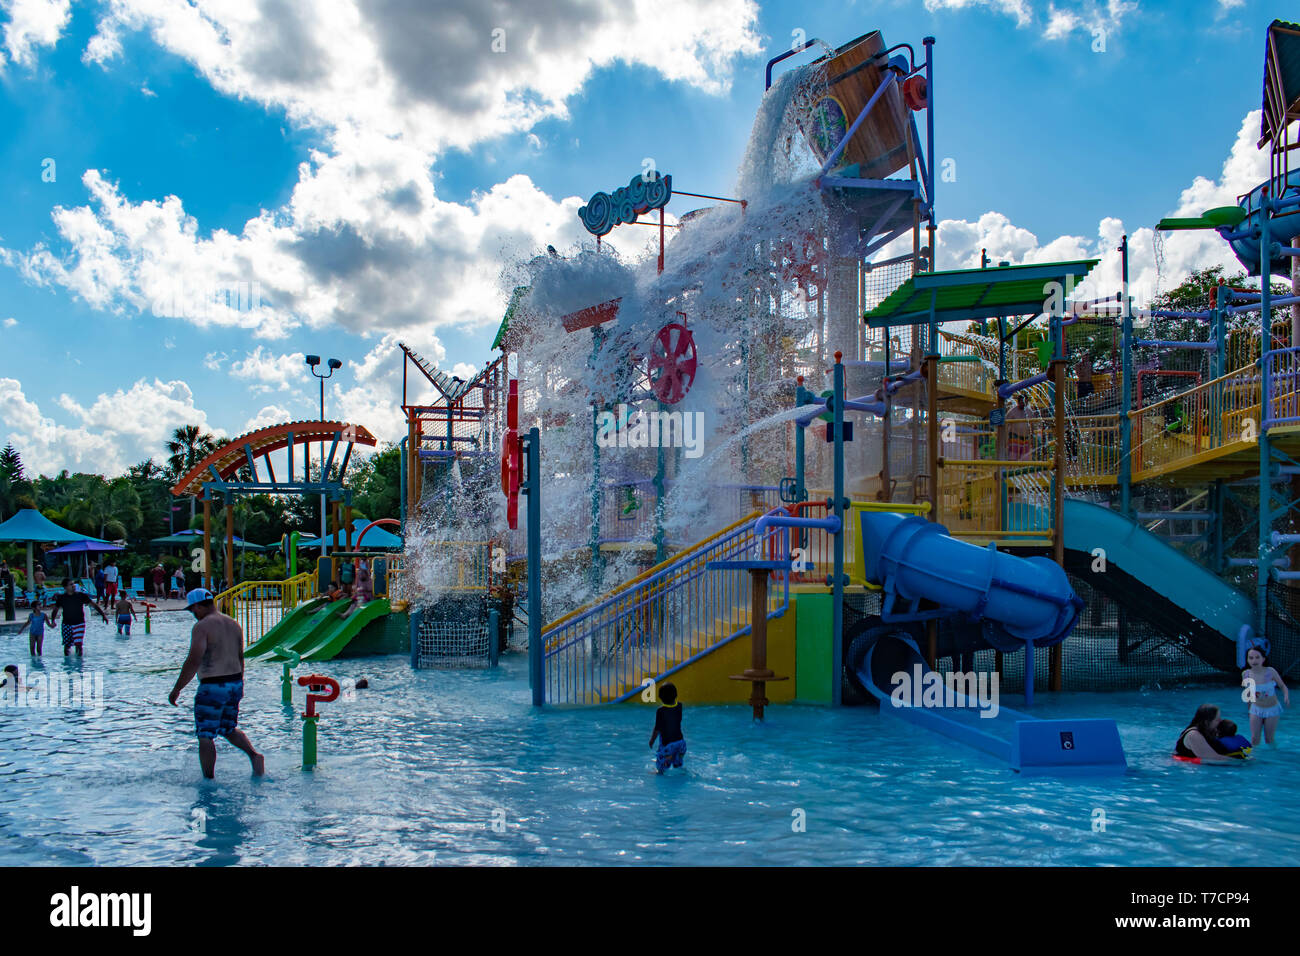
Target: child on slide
column 1262, row 684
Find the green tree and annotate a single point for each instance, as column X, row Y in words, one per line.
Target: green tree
column 15, row 490
column 188, row 446
column 114, row 502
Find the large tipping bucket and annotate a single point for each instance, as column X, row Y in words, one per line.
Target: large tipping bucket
column 883, row 144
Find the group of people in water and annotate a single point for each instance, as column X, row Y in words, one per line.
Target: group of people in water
column 1209, row 738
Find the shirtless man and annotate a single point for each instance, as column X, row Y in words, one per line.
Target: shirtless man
column 217, row 657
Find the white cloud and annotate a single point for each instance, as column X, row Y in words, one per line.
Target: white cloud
column 269, row 372
column 32, row 24
column 10, row 322
column 1056, row 21
column 113, row 432
column 267, row 415
column 437, row 75
column 961, row 241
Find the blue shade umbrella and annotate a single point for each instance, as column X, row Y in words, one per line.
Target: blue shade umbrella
column 87, row 548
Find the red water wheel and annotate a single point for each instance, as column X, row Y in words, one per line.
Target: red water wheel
column 673, row 360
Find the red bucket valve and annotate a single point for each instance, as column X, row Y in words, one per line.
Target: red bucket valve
column 312, row 680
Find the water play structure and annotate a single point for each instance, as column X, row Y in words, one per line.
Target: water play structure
column 783, row 457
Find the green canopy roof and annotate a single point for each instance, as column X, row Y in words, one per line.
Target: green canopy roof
column 966, row 295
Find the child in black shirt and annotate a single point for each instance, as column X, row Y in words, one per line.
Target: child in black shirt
column 668, row 728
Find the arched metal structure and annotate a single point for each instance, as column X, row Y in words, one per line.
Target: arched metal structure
column 232, row 470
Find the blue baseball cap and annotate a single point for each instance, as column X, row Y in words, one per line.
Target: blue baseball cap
column 197, row 596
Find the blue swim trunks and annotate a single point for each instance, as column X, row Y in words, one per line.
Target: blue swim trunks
column 216, row 708
column 670, row 755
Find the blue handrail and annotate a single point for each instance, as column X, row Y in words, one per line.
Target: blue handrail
column 661, row 624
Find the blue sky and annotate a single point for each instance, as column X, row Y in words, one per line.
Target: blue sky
column 371, row 165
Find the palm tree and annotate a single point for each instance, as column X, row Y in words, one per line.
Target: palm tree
column 188, row 446
column 115, row 502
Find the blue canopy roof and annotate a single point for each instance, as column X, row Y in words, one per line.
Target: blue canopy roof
column 376, row 538
column 30, row 525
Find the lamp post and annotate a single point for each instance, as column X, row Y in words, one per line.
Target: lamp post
column 313, row 361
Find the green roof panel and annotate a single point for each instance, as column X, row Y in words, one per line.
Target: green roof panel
column 974, row 294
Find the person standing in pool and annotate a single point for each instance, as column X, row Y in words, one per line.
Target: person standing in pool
column 217, row 657
column 38, row 579
column 35, row 627
column 73, row 604
column 1262, row 684
column 668, row 729
column 125, row 614
column 99, row 580
column 1194, row 741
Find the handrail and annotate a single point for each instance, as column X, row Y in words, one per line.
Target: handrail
column 649, row 573
column 682, row 610
column 256, row 612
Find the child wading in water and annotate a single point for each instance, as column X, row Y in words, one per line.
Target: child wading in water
column 35, row 627
column 668, row 728
column 125, row 615
column 1265, row 708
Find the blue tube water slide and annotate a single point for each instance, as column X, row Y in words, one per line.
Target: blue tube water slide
column 1028, row 602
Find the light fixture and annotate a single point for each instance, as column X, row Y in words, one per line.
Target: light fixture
column 335, row 363
column 313, row 360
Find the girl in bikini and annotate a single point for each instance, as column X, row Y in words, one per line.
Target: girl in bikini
column 1262, row 685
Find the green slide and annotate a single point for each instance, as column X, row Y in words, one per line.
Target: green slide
column 327, row 641
column 297, row 627
column 272, row 638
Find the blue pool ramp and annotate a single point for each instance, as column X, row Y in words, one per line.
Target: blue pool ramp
column 1059, row 747
column 1022, row 603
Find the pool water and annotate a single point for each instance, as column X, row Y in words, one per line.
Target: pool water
column 440, row 767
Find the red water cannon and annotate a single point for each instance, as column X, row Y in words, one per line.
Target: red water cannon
column 318, row 680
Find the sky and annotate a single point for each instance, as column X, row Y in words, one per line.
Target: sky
column 197, row 193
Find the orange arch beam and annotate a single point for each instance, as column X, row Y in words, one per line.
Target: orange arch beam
column 243, row 450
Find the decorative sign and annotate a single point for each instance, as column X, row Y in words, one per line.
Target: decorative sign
column 646, row 191
column 826, row 126
column 997, row 416
column 591, row 316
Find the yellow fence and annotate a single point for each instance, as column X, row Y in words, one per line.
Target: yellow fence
column 1197, row 423
column 1092, row 448
column 259, row 605
column 995, row 499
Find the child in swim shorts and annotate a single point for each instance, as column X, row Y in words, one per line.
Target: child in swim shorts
column 668, row 729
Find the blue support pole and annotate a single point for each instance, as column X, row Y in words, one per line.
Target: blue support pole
column 837, row 571
column 1264, row 553
column 1126, row 394
column 929, row 147
column 800, row 491
column 532, row 487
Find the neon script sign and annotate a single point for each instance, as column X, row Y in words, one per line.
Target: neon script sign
column 645, row 192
